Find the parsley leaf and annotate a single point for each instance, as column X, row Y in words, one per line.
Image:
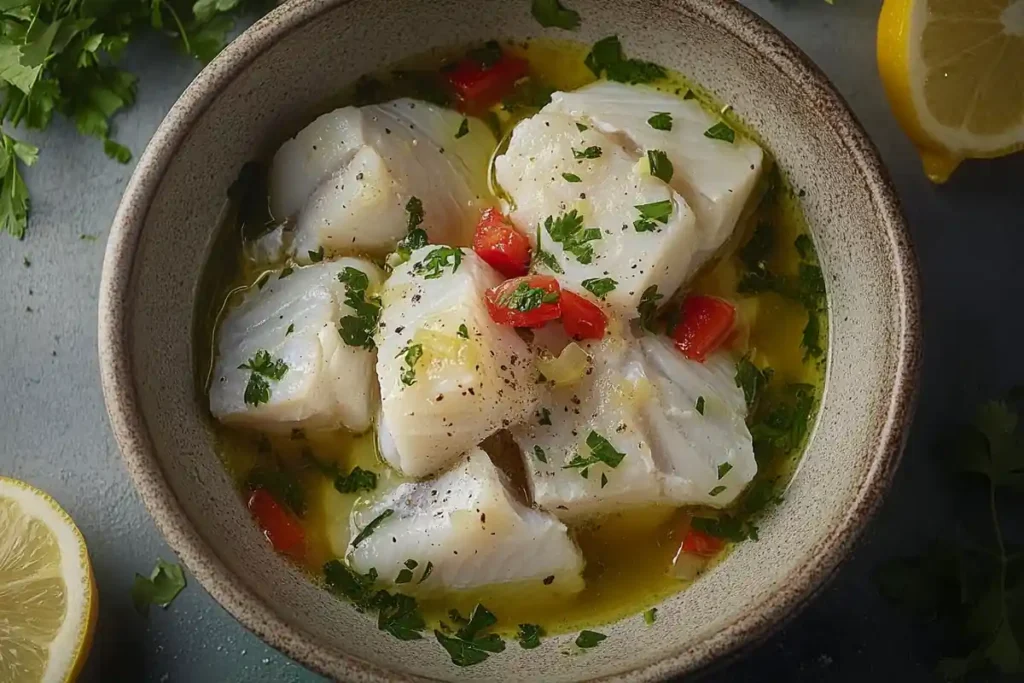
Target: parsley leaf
column 416, row 236
column 650, row 616
column 356, row 480
column 526, row 298
column 599, row 287
column 14, row 200
column 601, row 451
column 699, row 406
column 592, row 152
column 357, row 330
column 552, row 14
column 606, row 57
column 371, row 527
column 316, row 256
column 470, row 646
column 660, row 121
column 529, row 636
column 539, row 453
column 568, row 231
column 751, row 379
column 544, row 258
column 589, row 639
column 648, row 307
column 649, row 213
column 426, row 572
column 257, row 390
column 412, row 353
column 461, row 652
column 433, row 264
column 399, row 616
column 721, row 131
column 571, row 178
column 463, row 129
column 724, row 469
column 661, row 167
column 463, row 331
column 163, row 585
column 545, row 416
column 355, row 586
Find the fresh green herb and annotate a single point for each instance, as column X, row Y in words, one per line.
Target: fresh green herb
column 661, row 121
column 357, row 587
column 539, row 453
column 529, row 636
column 592, row 152
column 461, row 652
column 715, row 491
column 661, row 167
column 606, row 57
column 648, row 307
column 404, row 576
column 751, row 379
column 700, row 405
column 601, row 450
column 526, row 298
column 470, row 646
column 371, row 527
column 86, row 237
column 480, row 619
column 724, row 469
column 726, row 526
column 568, row 231
column 398, row 615
column 545, row 416
column 604, row 480
column 262, row 280
column 649, row 213
column 650, row 616
column 544, row 258
column 316, row 256
column 463, row 129
column 426, row 572
column 262, row 367
column 291, row 328
column 690, row 95
column 15, row 203
column 415, row 237
column 433, row 264
column 580, row 127
column 463, row 331
column 599, row 287
column 589, row 639
column 412, row 353
column 281, row 484
column 970, row 591
column 357, row 330
column 721, row 131
column 285, row 272
column 571, row 178
column 163, row 585
column 552, row 14
column 411, row 564
column 24, row 260
column 804, row 247
column 356, row 480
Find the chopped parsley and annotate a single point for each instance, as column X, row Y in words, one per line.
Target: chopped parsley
column 568, row 231
column 371, row 527
column 599, row 287
column 650, row 616
column 726, row 526
column 526, row 298
column 589, row 639
column 316, row 256
column 291, row 328
column 661, row 121
column 721, row 131
column 356, row 480
column 412, row 353
column 724, row 469
column 463, row 331
column 571, row 178
column 426, row 572
column 357, row 330
column 606, row 58
column 262, row 368
column 715, row 491
column 601, row 451
column 539, row 453
column 604, row 480
column 470, row 646
column 416, row 236
column 592, row 152
column 160, row 588
column 661, row 167
column 580, row 127
column 433, row 264
column 648, row 307
column 399, row 616
column 700, row 407
column 751, row 379
column 553, row 14
column 529, row 636
column 262, row 280
column 404, row 576
column 544, row 258
column 285, row 272
column 545, row 416
column 463, row 129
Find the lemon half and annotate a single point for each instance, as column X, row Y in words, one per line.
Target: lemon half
column 47, row 592
column 953, row 71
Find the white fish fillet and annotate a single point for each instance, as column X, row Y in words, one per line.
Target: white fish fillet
column 350, row 174
column 464, row 389
column 608, row 401
column 611, row 186
column 327, row 385
column 690, row 449
column 467, row 524
column 715, row 176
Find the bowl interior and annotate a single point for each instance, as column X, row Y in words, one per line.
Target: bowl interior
column 262, row 88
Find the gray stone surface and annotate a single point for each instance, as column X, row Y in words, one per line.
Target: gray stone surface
column 969, row 235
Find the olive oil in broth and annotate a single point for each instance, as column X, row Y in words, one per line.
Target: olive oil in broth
column 629, row 556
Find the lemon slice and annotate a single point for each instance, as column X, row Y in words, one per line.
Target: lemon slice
column 954, row 73
column 47, row 593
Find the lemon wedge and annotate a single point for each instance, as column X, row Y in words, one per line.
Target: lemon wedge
column 953, row 71
column 47, row 593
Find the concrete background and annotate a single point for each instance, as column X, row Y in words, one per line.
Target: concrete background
column 969, row 236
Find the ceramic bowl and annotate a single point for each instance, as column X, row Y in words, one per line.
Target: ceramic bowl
column 267, row 82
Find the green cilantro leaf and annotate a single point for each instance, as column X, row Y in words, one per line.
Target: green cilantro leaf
column 599, row 287
column 660, row 121
column 552, row 14
column 163, row 585
column 721, row 131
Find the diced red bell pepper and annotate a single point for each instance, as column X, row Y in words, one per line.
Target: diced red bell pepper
column 498, row 243
column 705, row 323
column 506, row 302
column 582, row 319
column 478, row 87
column 282, row 530
column 699, row 543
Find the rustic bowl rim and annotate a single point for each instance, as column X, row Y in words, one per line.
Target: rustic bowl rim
column 129, row 426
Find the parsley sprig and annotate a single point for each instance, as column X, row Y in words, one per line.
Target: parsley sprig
column 358, row 329
column 568, row 231
column 262, row 368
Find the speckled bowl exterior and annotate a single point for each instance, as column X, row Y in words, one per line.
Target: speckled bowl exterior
column 270, row 81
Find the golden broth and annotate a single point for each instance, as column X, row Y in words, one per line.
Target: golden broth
column 628, row 555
